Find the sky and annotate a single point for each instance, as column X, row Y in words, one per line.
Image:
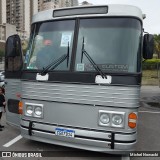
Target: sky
column 149, row 7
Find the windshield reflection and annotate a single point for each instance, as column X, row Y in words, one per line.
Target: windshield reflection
column 113, row 44
column 50, row 42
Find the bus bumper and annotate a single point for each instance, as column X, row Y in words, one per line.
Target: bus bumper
column 93, row 140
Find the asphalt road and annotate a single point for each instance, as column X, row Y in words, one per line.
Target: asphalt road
column 148, row 134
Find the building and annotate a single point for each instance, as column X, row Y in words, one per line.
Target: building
column 15, row 15
column 6, row 30
column 19, row 13
column 68, row 3
column 65, row 3
column 75, row 3
column 33, row 8
column 2, row 11
column 48, row 4
column 2, row 33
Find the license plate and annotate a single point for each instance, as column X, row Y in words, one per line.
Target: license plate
column 64, row 132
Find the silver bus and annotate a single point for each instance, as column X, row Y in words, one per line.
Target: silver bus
column 78, row 84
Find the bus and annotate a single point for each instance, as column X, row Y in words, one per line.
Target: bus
column 78, row 84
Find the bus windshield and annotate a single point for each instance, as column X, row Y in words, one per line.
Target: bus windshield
column 113, row 44
column 50, row 41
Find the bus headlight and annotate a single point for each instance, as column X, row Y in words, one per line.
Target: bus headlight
column 104, row 118
column 117, row 120
column 38, row 111
column 34, row 110
column 114, row 119
column 29, row 110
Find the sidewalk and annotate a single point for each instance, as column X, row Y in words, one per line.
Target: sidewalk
column 154, row 89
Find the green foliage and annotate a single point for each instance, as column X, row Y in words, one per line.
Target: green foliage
column 151, row 64
column 24, row 46
column 150, row 77
column 157, row 45
column 152, row 61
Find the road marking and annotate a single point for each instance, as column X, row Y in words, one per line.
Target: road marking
column 149, row 112
column 12, row 141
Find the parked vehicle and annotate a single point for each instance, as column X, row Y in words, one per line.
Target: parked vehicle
column 2, row 77
column 79, row 85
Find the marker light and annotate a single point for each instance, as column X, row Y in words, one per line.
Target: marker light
column 132, row 120
column 20, row 108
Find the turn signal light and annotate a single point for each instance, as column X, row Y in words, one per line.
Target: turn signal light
column 132, row 120
column 20, row 108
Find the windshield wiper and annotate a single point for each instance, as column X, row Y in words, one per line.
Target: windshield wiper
column 84, row 52
column 57, row 62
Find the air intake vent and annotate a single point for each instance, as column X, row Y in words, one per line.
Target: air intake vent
column 80, row 11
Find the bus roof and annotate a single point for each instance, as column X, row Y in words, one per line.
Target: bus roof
column 116, row 10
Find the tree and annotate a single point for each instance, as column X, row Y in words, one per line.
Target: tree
column 24, row 46
column 85, row 3
column 157, row 45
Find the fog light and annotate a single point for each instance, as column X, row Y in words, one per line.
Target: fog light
column 29, row 110
column 104, row 118
column 38, row 111
column 117, row 120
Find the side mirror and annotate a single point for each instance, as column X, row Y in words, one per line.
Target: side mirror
column 148, row 46
column 13, row 54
